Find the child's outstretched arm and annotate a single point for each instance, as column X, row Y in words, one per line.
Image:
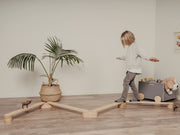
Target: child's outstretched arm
column 142, row 55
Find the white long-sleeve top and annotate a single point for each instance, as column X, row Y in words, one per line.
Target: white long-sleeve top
column 133, row 58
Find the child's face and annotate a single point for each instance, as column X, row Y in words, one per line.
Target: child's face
column 126, row 44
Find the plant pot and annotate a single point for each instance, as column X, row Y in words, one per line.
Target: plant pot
column 50, row 93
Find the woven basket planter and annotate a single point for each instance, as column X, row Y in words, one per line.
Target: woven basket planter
column 50, row 93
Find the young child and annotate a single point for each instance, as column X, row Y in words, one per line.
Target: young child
column 133, row 58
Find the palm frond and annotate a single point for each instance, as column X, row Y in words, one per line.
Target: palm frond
column 63, row 51
column 23, row 61
column 70, row 59
column 54, row 45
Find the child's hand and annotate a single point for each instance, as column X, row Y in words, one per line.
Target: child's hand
column 118, row 58
column 153, row 59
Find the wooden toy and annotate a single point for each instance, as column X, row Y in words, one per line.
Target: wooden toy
column 155, row 91
column 26, row 103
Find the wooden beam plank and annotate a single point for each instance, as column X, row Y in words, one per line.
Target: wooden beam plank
column 151, row 103
column 8, row 117
column 67, row 107
column 106, row 107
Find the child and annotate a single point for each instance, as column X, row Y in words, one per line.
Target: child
column 133, row 58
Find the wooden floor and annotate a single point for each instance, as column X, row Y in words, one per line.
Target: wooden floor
column 133, row 120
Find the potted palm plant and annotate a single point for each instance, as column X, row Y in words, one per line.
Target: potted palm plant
column 56, row 55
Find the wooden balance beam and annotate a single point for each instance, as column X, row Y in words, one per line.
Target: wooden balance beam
column 85, row 113
column 44, row 105
column 67, row 107
column 9, row 116
column 94, row 113
column 170, row 105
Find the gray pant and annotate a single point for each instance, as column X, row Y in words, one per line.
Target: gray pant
column 129, row 81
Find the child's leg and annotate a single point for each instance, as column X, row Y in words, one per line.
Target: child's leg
column 127, row 80
column 134, row 88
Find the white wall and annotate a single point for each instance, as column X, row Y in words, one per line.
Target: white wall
column 92, row 27
column 168, row 22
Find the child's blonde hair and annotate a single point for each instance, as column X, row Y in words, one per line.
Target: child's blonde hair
column 127, row 38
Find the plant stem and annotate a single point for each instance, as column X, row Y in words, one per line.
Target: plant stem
column 50, row 80
column 50, row 64
column 43, row 67
column 54, row 66
column 51, row 71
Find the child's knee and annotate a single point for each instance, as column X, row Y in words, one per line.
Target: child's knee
column 126, row 82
